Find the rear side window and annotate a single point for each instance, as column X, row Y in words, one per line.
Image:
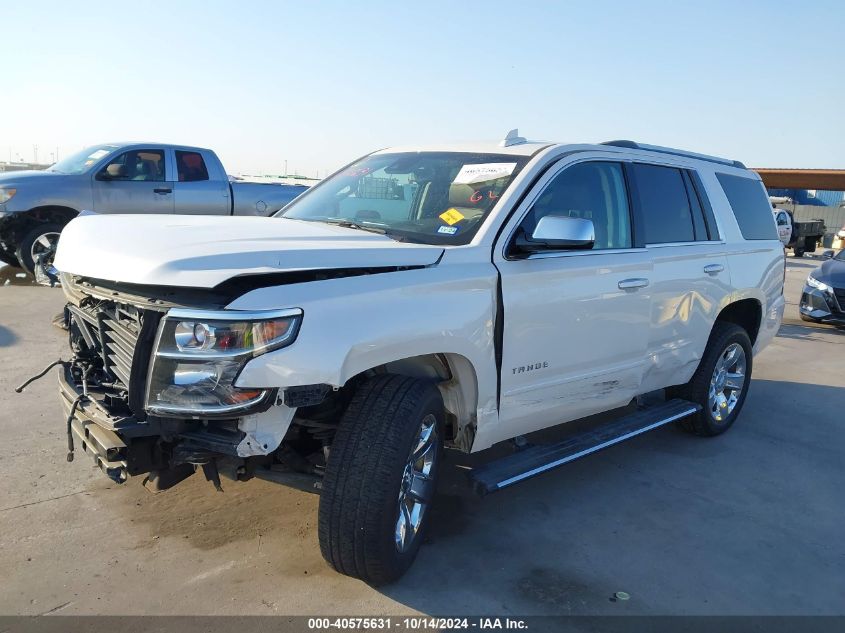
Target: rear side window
column 663, row 205
column 751, row 207
column 700, row 194
column 190, row 166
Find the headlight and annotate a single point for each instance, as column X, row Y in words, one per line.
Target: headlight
column 6, row 194
column 198, row 356
column 815, row 283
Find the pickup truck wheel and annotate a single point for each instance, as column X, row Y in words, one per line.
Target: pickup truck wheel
column 798, row 252
column 720, row 384
column 380, row 478
column 41, row 240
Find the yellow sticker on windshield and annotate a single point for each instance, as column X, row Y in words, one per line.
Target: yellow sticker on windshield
column 451, row 216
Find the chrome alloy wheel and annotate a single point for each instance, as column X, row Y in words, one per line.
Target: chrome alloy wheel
column 417, row 488
column 727, row 382
column 45, row 248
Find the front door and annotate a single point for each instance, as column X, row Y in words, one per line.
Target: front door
column 134, row 182
column 576, row 322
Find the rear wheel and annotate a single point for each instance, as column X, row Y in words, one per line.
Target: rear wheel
column 40, row 242
column 720, row 384
column 380, row 478
column 798, row 251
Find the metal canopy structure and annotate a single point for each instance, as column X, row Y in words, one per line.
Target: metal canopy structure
column 825, row 179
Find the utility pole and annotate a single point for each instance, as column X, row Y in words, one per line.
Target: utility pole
column 286, row 168
column 35, row 153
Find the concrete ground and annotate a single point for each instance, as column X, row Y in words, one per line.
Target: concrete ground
column 746, row 523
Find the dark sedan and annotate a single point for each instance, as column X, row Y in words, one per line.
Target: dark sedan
column 823, row 297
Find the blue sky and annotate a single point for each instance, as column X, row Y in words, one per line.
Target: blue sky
column 320, row 83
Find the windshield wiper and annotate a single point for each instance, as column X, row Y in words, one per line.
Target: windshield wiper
column 351, row 224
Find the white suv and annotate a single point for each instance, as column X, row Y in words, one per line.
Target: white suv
column 416, row 300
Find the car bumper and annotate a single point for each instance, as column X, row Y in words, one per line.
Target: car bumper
column 770, row 324
column 821, row 305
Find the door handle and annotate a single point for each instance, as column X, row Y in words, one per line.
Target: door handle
column 163, row 191
column 712, row 269
column 633, row 284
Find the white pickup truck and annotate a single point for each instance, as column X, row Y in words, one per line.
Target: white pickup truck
column 421, row 298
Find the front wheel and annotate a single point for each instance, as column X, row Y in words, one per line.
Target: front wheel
column 38, row 244
column 720, row 384
column 9, row 258
column 381, row 477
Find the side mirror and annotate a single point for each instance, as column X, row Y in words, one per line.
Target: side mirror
column 828, row 254
column 558, row 232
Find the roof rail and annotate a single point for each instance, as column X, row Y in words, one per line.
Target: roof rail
column 674, row 152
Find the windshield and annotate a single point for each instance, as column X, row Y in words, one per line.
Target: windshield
column 425, row 197
column 80, row 162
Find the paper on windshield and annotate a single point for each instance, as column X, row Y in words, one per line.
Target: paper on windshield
column 99, row 154
column 483, row 172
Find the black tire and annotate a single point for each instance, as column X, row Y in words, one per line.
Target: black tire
column 797, row 252
column 24, row 250
column 359, row 508
column 698, row 388
column 804, row 317
column 9, row 258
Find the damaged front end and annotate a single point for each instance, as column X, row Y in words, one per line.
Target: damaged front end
column 150, row 390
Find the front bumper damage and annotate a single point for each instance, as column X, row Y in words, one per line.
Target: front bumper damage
column 166, row 450
column 102, row 395
column 90, row 428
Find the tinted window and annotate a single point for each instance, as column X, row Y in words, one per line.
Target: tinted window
column 190, row 166
column 663, row 204
column 701, row 195
column 698, row 224
column 751, row 207
column 142, row 164
column 593, row 191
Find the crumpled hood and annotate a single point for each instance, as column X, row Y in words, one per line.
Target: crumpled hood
column 204, row 251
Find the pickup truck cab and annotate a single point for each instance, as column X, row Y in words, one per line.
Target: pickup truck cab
column 802, row 236
column 420, row 299
column 783, row 220
column 121, row 178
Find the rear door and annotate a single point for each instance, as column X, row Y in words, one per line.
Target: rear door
column 135, row 181
column 199, row 191
column 690, row 278
column 575, row 322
